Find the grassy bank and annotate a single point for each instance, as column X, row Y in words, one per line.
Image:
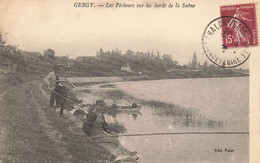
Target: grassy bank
column 15, row 79
column 215, row 72
column 33, row 132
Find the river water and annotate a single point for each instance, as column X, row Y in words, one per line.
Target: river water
column 225, row 99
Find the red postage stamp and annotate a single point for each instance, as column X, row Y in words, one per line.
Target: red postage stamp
column 241, row 29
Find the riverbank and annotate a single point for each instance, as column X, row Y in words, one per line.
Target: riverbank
column 33, row 132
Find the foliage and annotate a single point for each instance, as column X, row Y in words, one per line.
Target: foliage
column 12, row 54
column 109, row 63
column 49, row 53
column 205, row 64
column 115, row 94
column 194, row 61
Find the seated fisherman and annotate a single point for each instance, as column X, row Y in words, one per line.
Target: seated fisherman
column 61, row 95
column 114, row 105
column 134, row 105
column 94, row 126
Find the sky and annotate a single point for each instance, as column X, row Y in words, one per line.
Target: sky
column 38, row 25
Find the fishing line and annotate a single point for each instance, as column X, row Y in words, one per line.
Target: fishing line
column 182, row 133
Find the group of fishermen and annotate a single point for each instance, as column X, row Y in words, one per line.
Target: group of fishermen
column 94, row 124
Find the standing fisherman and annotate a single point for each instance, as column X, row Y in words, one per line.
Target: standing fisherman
column 51, row 80
column 60, row 96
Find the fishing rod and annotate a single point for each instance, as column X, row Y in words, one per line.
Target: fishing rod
column 180, row 133
column 70, row 82
column 64, row 97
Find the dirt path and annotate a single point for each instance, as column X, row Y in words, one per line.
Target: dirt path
column 31, row 131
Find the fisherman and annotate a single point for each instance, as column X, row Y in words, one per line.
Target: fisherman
column 114, row 106
column 134, row 116
column 94, row 126
column 60, row 96
column 50, row 81
column 134, row 105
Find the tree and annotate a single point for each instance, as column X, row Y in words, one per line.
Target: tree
column 194, row 61
column 2, row 42
column 116, row 52
column 152, row 54
column 13, row 54
column 129, row 52
column 167, row 57
column 149, row 54
column 205, row 64
column 8, row 48
column 49, row 53
column 100, row 52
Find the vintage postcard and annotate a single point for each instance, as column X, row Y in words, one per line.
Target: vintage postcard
column 116, row 81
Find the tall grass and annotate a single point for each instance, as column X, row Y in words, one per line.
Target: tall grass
column 115, row 94
column 86, row 91
column 108, row 86
column 188, row 117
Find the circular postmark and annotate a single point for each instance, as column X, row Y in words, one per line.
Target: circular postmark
column 225, row 41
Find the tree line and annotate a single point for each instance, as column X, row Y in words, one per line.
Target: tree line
column 104, row 63
column 109, row 62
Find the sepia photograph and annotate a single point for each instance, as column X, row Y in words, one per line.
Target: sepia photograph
column 129, row 81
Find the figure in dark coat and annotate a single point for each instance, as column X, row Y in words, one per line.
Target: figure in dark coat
column 61, row 95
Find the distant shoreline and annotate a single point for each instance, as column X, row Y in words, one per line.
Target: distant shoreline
column 77, row 81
